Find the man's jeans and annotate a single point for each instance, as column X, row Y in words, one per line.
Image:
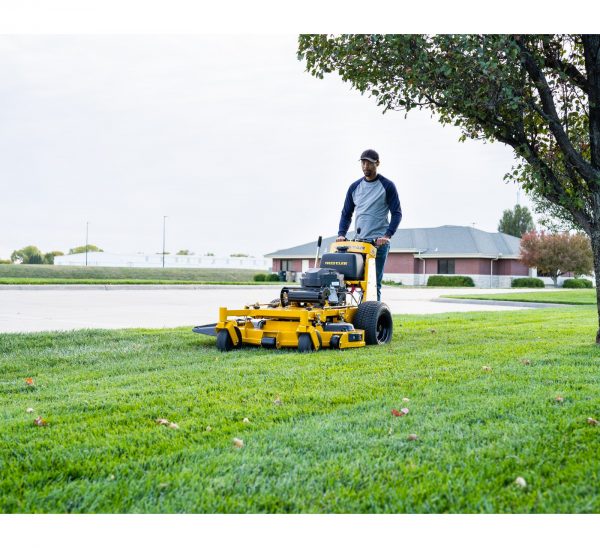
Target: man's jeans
column 382, row 253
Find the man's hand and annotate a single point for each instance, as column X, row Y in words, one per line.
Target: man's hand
column 380, row 241
column 340, row 239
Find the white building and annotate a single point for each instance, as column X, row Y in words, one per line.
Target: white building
column 95, row 258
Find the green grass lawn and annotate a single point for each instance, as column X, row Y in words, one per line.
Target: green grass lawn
column 113, row 281
column 565, row 296
column 321, row 436
column 102, row 274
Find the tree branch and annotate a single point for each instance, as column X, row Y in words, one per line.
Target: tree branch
column 568, row 69
column 585, row 170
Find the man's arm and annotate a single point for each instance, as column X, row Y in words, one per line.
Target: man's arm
column 347, row 212
column 393, row 202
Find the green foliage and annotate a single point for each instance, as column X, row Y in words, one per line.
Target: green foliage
column 28, row 255
column 577, row 283
column 329, row 444
column 260, row 277
column 5, row 261
column 239, row 255
column 527, row 282
column 184, row 252
column 49, row 257
column 450, row 281
column 82, row 248
column 272, row 277
column 516, row 222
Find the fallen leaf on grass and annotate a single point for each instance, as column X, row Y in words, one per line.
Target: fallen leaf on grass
column 404, row 410
column 237, row 442
column 559, row 399
column 592, row 421
column 277, row 401
column 167, row 423
column 401, row 413
column 432, row 331
column 521, row 482
column 29, row 381
column 246, row 420
column 405, row 400
column 29, row 410
column 526, row 362
column 486, row 368
column 208, row 428
column 40, row 422
column 412, row 437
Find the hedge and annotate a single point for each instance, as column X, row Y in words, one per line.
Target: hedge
column 527, row 282
column 453, row 281
column 577, row 283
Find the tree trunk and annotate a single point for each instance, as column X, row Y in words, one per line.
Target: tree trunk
column 595, row 237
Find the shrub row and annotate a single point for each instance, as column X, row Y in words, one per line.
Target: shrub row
column 266, row 277
column 450, row 281
column 527, row 282
column 577, row 283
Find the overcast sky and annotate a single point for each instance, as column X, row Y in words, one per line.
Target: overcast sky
column 226, row 135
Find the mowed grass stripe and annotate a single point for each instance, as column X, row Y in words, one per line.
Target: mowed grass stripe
column 332, row 445
column 566, row 296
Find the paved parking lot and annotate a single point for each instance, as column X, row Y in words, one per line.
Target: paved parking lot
column 51, row 309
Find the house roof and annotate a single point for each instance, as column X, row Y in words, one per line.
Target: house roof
column 441, row 241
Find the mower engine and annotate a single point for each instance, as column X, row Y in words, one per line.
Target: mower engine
column 317, row 286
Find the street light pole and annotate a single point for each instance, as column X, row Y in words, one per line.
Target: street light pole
column 164, row 231
column 87, row 224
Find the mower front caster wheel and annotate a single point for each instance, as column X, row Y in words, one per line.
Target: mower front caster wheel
column 305, row 343
column 224, row 342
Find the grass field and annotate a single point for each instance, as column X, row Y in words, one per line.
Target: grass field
column 87, row 274
column 83, row 281
column 321, row 436
column 565, row 296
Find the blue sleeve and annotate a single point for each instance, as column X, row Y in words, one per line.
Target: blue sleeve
column 393, row 201
column 347, row 210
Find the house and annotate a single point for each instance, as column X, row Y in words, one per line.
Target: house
column 491, row 259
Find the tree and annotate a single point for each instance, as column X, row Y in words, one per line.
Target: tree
column 28, row 255
column 516, row 221
column 555, row 254
column 184, row 252
column 82, row 248
column 49, row 257
column 539, row 94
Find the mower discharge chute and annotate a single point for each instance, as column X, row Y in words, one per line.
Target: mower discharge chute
column 334, row 307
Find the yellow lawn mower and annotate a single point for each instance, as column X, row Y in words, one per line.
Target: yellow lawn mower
column 335, row 306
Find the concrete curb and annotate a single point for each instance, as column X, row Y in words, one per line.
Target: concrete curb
column 501, row 303
column 121, row 287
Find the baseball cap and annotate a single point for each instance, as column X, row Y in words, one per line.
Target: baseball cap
column 370, row 155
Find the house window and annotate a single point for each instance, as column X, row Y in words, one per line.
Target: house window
column 445, row 266
column 286, row 265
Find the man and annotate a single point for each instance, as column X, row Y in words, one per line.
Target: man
column 372, row 197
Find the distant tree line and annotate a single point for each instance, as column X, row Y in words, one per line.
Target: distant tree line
column 31, row 254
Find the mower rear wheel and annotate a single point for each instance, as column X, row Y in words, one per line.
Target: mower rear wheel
column 224, row 342
column 305, row 343
column 376, row 320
